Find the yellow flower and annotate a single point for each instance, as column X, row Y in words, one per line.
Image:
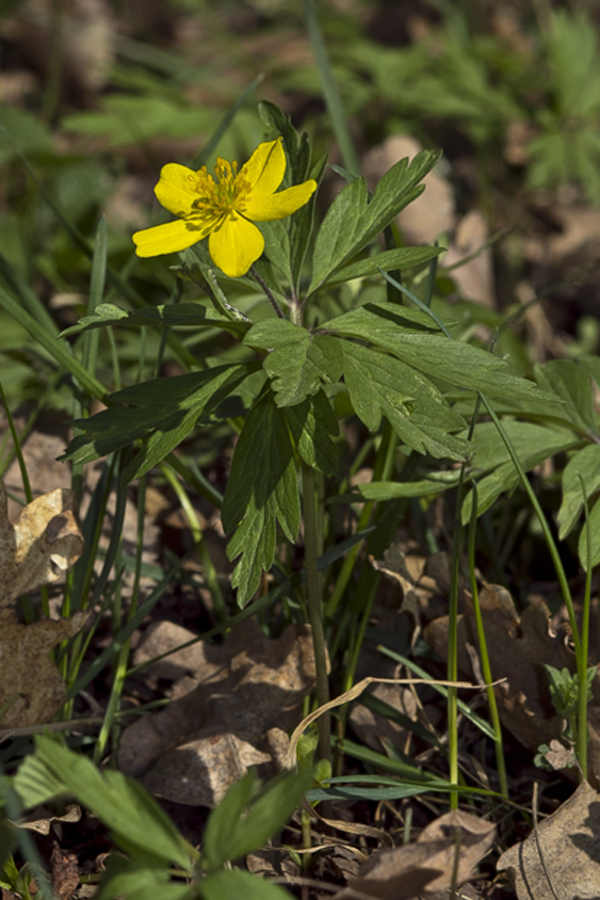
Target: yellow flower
column 223, row 209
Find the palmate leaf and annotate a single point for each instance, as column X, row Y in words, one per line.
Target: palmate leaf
column 262, row 491
column 353, row 220
column 380, row 385
column 452, row 361
column 169, row 406
column 299, row 362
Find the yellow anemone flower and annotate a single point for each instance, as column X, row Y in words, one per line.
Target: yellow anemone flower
column 223, row 209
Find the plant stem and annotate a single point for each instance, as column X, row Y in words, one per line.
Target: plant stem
column 315, row 608
column 581, row 736
column 486, row 669
column 268, row 292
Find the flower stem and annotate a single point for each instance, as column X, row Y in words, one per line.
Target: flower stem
column 268, row 292
column 315, row 608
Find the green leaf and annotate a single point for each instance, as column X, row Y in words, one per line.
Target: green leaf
column 313, row 424
column 169, row 407
column 262, row 490
column 299, row 362
column 381, row 385
column 236, row 884
column 448, row 360
column 585, row 465
column 373, row 321
column 590, row 364
column 121, row 803
column 233, row 830
column 286, row 240
column 572, row 383
column 582, row 544
column 400, row 258
column 140, row 881
column 392, row 490
column 352, row 221
column 190, row 314
column 533, row 444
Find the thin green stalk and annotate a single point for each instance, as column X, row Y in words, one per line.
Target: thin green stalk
column 452, row 667
column 582, row 698
column 486, row 668
column 210, row 572
column 315, row 607
column 333, row 100
column 581, row 737
column 382, row 470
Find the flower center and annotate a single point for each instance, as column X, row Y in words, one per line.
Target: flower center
column 227, row 192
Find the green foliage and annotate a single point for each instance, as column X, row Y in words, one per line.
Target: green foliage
column 262, row 490
column 256, row 817
column 163, row 411
column 135, row 818
column 353, row 220
column 245, row 819
column 564, row 689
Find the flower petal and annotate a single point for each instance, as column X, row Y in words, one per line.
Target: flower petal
column 235, row 244
column 176, row 190
column 169, row 238
column 278, row 206
column 265, row 168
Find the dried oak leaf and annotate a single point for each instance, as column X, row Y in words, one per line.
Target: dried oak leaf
column 569, row 841
column 45, row 540
column 232, row 709
column 425, row 867
column 64, row 872
column 518, row 648
column 26, row 670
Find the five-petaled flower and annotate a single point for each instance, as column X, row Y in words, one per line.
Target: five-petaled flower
column 224, row 208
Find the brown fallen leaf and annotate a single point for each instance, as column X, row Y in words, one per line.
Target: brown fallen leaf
column 232, row 709
column 569, row 841
column 26, row 670
column 426, row 866
column 40, row 819
column 518, row 648
column 45, row 540
column 64, row 873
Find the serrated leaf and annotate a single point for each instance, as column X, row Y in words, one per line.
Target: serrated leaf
column 533, row 444
column 570, row 382
column 379, row 384
column 375, row 319
column 400, row 258
column 299, row 362
column 448, row 360
column 169, row 405
column 313, row 425
column 121, row 803
column 583, row 465
column 286, row 240
column 190, row 314
column 262, row 490
column 352, row 221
